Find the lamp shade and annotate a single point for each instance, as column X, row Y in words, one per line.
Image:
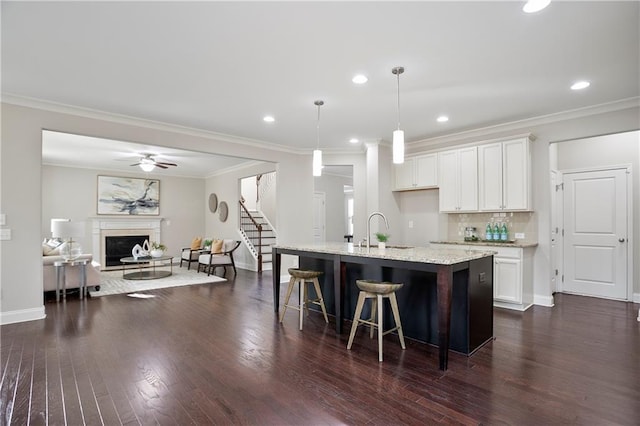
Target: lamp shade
column 66, row 229
column 398, row 147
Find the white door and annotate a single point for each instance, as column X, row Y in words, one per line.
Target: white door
column 595, row 241
column 556, row 260
column 319, row 235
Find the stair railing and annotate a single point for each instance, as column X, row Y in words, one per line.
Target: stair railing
column 258, row 229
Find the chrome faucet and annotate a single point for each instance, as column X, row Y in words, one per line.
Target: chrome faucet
column 369, row 226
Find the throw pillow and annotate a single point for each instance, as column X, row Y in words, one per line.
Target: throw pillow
column 196, row 243
column 50, row 247
column 216, row 246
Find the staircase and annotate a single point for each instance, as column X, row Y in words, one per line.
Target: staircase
column 258, row 235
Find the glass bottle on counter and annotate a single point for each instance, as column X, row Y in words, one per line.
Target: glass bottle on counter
column 488, row 234
column 496, row 232
column 504, row 232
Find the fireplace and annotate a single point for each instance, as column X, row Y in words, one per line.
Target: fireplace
column 113, row 238
column 118, row 246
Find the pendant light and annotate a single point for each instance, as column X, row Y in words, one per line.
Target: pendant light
column 398, row 135
column 317, row 154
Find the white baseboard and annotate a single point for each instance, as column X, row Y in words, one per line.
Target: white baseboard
column 254, row 266
column 22, row 315
column 636, row 297
column 543, row 300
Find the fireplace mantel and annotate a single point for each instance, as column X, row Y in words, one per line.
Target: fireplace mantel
column 101, row 224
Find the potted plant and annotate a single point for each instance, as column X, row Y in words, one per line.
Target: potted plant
column 206, row 245
column 382, row 239
column 157, row 249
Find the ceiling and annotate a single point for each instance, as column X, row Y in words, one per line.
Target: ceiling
column 222, row 66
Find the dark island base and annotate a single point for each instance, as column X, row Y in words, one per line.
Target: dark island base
column 471, row 305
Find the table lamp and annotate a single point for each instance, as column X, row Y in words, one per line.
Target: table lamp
column 67, row 230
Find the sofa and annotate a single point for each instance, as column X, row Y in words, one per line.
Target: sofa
column 72, row 273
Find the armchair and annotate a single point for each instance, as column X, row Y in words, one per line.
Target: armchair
column 190, row 254
column 210, row 261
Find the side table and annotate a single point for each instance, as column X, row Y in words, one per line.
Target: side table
column 61, row 273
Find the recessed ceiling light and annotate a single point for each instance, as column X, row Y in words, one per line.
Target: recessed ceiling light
column 579, row 85
column 269, row 119
column 360, row 79
column 442, row 119
column 533, row 6
column 353, row 140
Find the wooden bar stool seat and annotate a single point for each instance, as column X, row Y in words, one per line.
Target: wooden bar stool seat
column 377, row 291
column 302, row 277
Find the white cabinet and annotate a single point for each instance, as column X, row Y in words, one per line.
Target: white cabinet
column 458, row 180
column 418, row 172
column 512, row 274
column 504, row 181
column 507, row 276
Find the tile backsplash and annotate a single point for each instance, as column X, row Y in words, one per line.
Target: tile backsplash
column 517, row 222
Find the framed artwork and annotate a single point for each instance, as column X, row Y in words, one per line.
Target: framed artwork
column 128, row 196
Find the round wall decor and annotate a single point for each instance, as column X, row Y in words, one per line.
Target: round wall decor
column 213, row 202
column 224, row 211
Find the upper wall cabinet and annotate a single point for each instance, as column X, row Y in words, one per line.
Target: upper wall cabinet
column 418, row 172
column 458, row 180
column 504, row 176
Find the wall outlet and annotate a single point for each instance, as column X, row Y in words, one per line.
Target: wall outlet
column 5, row 234
column 519, row 235
column 410, row 224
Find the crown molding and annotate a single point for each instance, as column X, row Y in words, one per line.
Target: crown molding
column 41, row 104
column 523, row 126
column 238, row 167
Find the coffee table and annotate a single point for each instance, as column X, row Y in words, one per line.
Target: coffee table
column 149, row 263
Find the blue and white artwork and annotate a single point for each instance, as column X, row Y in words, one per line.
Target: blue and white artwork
column 128, row 196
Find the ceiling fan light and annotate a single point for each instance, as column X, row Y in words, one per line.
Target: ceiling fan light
column 398, row 146
column 147, row 167
column 533, row 6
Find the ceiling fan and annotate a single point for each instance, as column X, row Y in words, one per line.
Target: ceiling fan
column 148, row 163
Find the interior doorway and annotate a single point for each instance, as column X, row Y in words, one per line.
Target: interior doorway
column 595, row 249
column 336, row 183
column 594, row 231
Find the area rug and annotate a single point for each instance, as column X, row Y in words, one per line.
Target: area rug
column 111, row 282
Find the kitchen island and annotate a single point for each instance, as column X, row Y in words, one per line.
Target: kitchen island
column 447, row 299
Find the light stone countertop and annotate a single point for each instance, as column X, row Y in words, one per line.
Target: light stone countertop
column 516, row 243
column 438, row 256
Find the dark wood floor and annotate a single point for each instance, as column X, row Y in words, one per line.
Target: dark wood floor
column 216, row 354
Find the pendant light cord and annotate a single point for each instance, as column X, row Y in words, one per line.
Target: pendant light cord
column 398, row 75
column 318, row 127
column 318, row 103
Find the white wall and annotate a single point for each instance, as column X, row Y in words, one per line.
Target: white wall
column 21, row 189
column 71, row 193
column 361, row 188
column 228, row 186
column 268, row 199
column 621, row 117
column 618, row 149
column 421, row 208
column 21, row 296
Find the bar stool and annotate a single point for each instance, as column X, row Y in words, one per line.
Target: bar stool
column 301, row 276
column 377, row 291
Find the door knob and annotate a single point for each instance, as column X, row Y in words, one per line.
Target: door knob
column 621, row 240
